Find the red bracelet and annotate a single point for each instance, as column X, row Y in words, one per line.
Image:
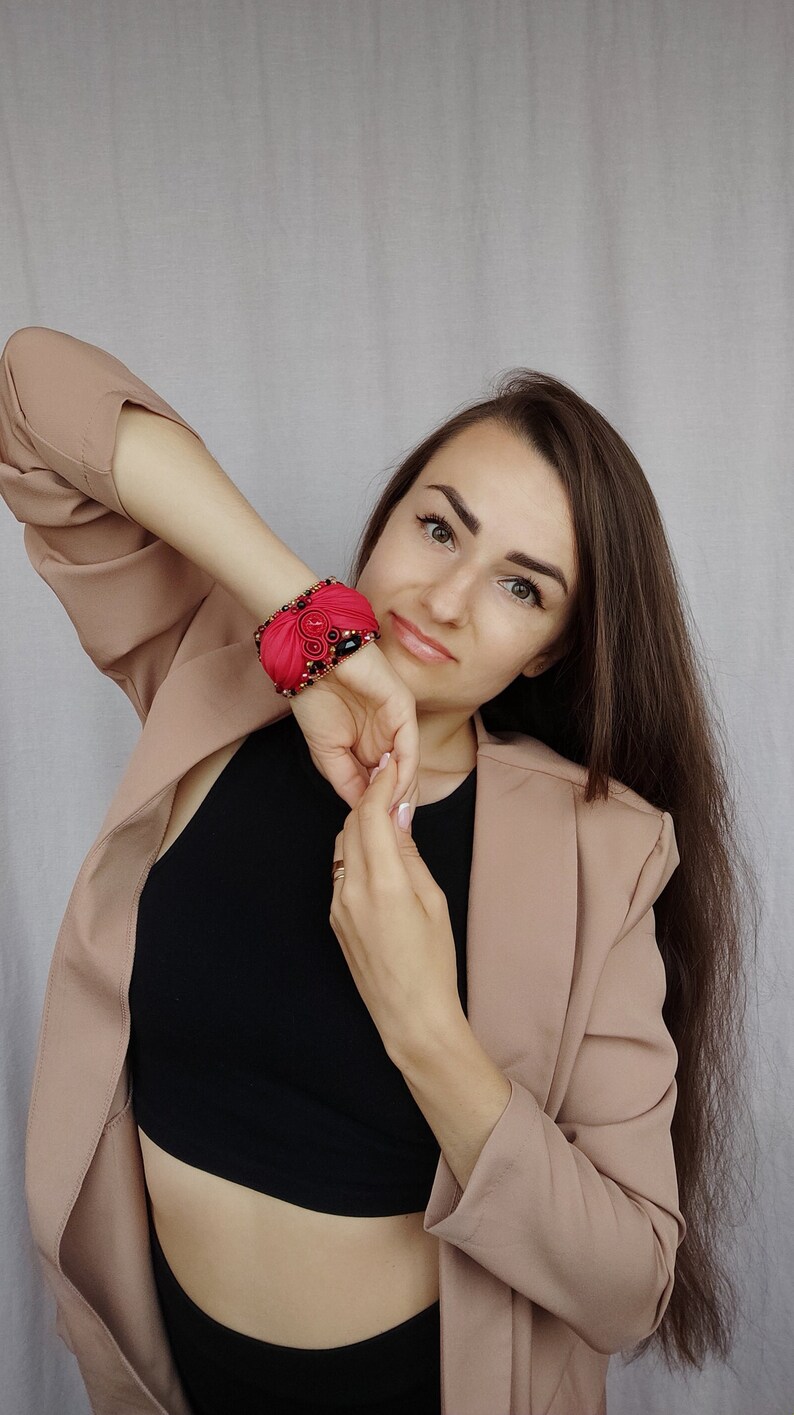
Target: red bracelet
column 309, row 636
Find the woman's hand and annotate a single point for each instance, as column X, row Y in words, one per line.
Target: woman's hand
column 354, row 714
column 392, row 922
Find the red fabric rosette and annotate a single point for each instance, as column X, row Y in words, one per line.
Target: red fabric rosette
column 309, row 639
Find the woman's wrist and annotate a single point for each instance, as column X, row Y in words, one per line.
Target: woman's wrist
column 313, row 634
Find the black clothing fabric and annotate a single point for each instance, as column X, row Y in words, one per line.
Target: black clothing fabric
column 225, row 1372
column 253, row 1055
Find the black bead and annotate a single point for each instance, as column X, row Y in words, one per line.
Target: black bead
column 348, row 645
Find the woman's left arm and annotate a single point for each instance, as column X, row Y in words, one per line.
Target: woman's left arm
column 580, row 1213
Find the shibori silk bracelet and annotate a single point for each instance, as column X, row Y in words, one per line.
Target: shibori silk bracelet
column 311, row 634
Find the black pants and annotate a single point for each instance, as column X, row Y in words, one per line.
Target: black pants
column 225, row 1372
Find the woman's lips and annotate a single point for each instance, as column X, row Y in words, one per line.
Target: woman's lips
column 415, row 645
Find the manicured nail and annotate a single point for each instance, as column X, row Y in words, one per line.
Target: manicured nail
column 379, row 767
column 404, row 815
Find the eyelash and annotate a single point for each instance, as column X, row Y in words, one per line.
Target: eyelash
column 522, row 580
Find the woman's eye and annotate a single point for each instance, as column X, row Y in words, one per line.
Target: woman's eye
column 528, row 584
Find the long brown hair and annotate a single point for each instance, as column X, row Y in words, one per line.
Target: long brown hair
column 630, row 700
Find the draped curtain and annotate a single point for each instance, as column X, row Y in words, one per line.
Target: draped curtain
column 316, row 229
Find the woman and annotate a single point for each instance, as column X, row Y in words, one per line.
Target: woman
column 407, row 1120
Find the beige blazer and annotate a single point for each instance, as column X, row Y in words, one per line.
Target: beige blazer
column 561, row 1249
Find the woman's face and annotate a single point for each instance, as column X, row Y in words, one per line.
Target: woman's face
column 458, row 586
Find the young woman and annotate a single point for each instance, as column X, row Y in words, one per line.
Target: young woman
column 339, row 1111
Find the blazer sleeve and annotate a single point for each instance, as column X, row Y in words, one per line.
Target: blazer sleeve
column 129, row 595
column 580, row 1214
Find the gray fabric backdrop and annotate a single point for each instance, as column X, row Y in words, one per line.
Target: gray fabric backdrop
column 316, row 229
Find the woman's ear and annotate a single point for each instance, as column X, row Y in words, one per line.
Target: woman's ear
column 550, row 655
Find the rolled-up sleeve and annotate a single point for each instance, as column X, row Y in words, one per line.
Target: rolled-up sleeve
column 129, row 596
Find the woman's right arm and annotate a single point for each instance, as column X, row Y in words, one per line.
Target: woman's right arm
column 130, row 596
column 131, row 521
column 168, row 482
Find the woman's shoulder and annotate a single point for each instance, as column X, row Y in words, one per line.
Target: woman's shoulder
column 624, row 843
column 531, row 754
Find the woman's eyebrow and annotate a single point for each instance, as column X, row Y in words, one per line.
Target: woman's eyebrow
column 473, row 524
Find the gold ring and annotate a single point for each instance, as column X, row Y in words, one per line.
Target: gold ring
column 338, row 870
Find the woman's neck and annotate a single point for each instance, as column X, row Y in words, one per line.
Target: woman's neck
column 449, row 755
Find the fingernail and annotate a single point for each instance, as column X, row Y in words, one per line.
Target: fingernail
column 379, row 767
column 404, row 815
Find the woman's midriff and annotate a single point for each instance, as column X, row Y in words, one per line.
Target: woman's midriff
column 268, row 1268
column 282, row 1273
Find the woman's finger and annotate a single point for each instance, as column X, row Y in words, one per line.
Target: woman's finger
column 376, row 838
column 351, row 851
column 406, row 751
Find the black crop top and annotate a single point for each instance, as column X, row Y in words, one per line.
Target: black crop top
column 252, row 1053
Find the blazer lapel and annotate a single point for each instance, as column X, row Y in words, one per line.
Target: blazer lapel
column 522, row 916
